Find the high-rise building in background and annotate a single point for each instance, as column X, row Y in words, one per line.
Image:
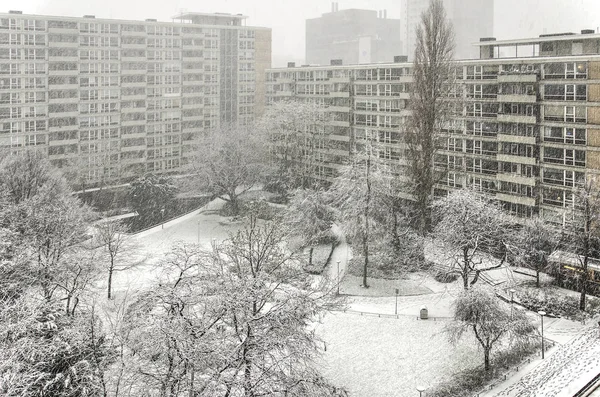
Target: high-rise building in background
column 472, row 19
column 353, row 36
column 117, row 98
column 525, row 126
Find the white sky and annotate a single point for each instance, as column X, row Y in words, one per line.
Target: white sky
column 514, row 18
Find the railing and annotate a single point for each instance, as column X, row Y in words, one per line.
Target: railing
column 565, row 97
column 573, row 141
column 576, row 163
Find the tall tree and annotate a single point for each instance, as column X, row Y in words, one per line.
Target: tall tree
column 355, row 193
column 482, row 313
column 429, row 105
column 230, row 161
column 296, row 132
column 117, row 249
column 583, row 231
column 470, row 224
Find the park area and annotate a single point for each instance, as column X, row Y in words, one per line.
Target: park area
column 378, row 346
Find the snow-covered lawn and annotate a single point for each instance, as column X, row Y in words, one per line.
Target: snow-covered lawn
column 374, row 357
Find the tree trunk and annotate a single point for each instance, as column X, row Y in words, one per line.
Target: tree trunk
column 537, row 278
column 486, row 359
column 235, row 207
column 583, row 285
column 465, row 270
column 68, row 305
column 366, row 232
column 310, row 255
column 110, row 274
column 366, row 264
column 395, row 237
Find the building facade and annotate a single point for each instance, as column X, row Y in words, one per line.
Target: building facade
column 525, row 128
column 115, row 99
column 354, row 36
column 471, row 19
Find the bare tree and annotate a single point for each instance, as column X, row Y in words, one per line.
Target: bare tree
column 429, row 105
column 118, row 248
column 482, row 313
column 230, row 161
column 583, row 231
column 470, row 224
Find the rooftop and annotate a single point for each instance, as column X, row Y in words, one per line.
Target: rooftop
column 220, row 15
column 537, row 40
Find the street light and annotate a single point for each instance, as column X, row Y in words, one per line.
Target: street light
column 512, row 299
column 198, row 232
column 162, row 214
column 542, row 314
column 338, row 277
column 421, row 389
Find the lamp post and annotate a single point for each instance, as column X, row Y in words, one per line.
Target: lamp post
column 338, row 277
column 162, row 215
column 542, row 314
column 512, row 300
column 421, row 389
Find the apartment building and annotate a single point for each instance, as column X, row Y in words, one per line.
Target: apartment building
column 525, row 127
column 116, row 98
column 471, row 19
column 354, row 36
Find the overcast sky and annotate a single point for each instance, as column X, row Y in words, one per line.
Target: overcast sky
column 513, row 18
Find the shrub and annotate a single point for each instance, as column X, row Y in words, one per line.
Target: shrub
column 552, row 302
column 469, row 382
column 445, row 278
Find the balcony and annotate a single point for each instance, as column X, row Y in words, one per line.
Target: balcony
column 516, row 178
column 508, row 158
column 528, row 77
column 518, row 98
column 517, row 118
column 509, row 198
column 529, row 140
column 570, row 162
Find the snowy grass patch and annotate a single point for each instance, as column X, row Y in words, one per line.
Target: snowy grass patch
column 374, row 357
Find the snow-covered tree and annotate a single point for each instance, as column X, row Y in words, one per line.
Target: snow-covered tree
column 295, row 130
column 23, row 176
column 151, row 196
column 583, row 231
column 354, row 194
column 230, row 161
column 430, row 109
column 232, row 321
column 480, row 312
column 309, row 217
column 534, row 243
column 470, row 224
column 117, row 250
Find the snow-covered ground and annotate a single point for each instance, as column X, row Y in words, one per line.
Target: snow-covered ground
column 382, row 357
column 374, row 356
